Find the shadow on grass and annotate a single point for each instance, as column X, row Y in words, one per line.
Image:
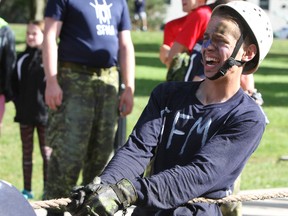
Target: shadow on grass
column 271, row 71
column 147, row 47
column 149, row 62
column 144, row 87
column 276, row 56
column 274, row 93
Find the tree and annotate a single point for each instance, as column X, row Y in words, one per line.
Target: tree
column 14, row 11
column 155, row 10
column 37, row 9
column 21, row 11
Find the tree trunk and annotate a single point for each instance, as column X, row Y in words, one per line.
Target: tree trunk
column 37, row 9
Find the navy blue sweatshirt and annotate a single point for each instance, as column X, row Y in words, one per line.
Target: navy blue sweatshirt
column 199, row 150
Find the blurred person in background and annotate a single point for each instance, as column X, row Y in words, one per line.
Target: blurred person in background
column 28, row 96
column 7, row 63
column 82, row 88
column 140, row 16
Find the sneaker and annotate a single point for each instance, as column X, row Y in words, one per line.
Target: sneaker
column 27, row 194
column 144, row 28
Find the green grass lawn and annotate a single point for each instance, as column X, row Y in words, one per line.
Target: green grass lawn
column 264, row 169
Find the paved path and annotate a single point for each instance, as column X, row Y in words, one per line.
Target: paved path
column 271, row 207
column 277, row 207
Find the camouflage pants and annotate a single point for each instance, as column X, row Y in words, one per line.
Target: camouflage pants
column 81, row 132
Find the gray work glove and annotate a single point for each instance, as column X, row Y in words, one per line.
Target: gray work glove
column 80, row 193
column 108, row 199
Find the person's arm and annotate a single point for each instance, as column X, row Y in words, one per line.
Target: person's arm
column 131, row 160
column 9, row 64
column 163, row 53
column 53, row 92
column 211, row 170
column 171, row 29
column 175, row 49
column 192, row 31
column 127, row 68
column 247, row 83
column 168, row 39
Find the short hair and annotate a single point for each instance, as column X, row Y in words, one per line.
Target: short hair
column 245, row 30
column 228, row 13
column 39, row 23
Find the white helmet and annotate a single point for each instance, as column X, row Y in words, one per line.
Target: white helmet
column 259, row 26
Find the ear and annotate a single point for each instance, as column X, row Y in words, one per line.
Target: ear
column 249, row 53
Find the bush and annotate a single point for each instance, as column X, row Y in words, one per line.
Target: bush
column 16, row 11
column 156, row 11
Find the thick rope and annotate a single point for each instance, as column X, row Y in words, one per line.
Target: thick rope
column 57, row 203
column 242, row 197
column 54, row 203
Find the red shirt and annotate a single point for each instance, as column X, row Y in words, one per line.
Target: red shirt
column 189, row 29
column 172, row 29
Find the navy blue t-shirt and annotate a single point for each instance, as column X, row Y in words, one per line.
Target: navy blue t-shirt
column 89, row 34
column 199, row 149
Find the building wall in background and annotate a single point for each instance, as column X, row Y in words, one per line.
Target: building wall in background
column 277, row 10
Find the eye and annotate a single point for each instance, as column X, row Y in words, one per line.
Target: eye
column 221, row 43
column 220, row 40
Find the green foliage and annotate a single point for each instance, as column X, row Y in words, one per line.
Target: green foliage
column 264, row 169
column 16, row 11
column 155, row 10
column 20, row 35
column 20, row 11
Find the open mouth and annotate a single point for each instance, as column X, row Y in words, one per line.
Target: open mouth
column 210, row 61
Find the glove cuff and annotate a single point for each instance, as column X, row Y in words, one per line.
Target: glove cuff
column 125, row 192
column 93, row 186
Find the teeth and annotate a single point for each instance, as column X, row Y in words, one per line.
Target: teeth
column 211, row 59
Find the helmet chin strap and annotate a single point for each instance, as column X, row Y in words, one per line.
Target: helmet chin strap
column 231, row 61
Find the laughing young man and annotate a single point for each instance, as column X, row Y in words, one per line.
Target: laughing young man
column 200, row 134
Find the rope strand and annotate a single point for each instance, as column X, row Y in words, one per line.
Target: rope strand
column 242, row 197
column 57, row 203
column 54, row 203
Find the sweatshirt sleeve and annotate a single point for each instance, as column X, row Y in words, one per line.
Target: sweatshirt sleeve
column 211, row 170
column 131, row 160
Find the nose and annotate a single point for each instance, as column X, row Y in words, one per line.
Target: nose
column 29, row 36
